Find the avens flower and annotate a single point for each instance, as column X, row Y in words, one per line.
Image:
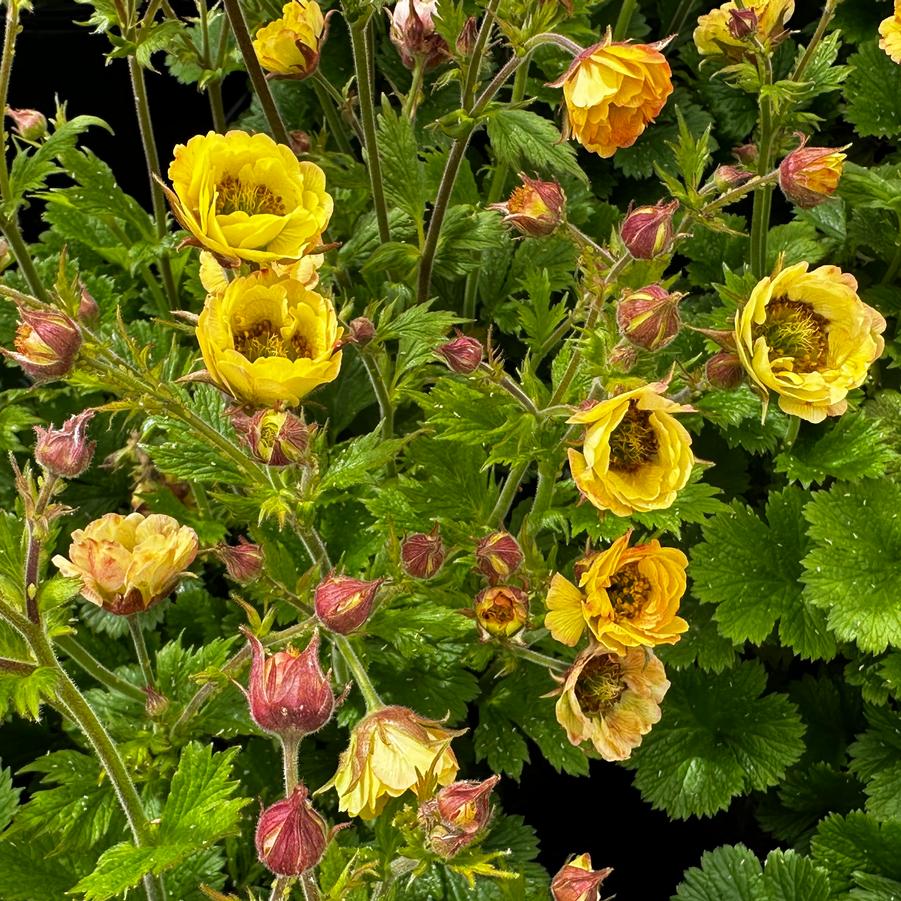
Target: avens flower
column 890, row 34
column 291, row 836
column 289, row 46
column 501, row 611
column 243, row 561
column 457, row 815
column 810, row 175
column 648, row 230
column 649, row 317
column 423, row 553
column 576, row 881
column 66, row 451
column 724, row 370
column 724, row 31
column 413, row 33
column 535, row 208
column 29, row 123
column 498, row 556
column 343, row 604
column 46, row 344
column 275, row 437
column 462, row 354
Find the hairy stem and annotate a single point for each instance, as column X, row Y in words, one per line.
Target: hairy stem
column 137, row 637
column 478, row 51
column 822, row 25
column 335, row 126
column 94, row 668
column 539, row 658
column 290, row 748
column 763, row 198
column 358, row 671
column 624, row 19
column 507, row 494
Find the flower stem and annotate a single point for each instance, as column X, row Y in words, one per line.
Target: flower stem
column 217, row 109
column 478, row 50
column 336, row 129
column 822, row 25
column 94, row 668
column 380, row 388
column 510, row 386
column 33, row 548
column 358, row 671
column 760, row 215
column 539, row 658
column 20, row 251
column 309, row 888
column 137, row 636
column 412, row 99
column 624, row 19
column 507, row 493
column 791, row 433
column 290, row 748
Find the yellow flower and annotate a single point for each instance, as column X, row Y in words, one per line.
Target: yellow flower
column 611, row 700
column 390, row 751
column 713, row 37
column 289, row 46
column 306, row 270
column 808, row 337
column 629, row 597
column 612, row 91
column 890, row 34
column 268, row 340
column 245, row 197
column 128, row 563
column 635, row 455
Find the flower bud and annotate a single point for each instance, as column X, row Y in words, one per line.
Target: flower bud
column 623, row 357
column 156, row 704
column 275, row 437
column 360, row 331
column 457, row 815
column 66, row 452
column 423, row 554
column 6, row 257
column 466, row 40
column 648, row 230
column 501, row 611
column 727, row 177
column 746, row 154
column 291, row 836
column 88, row 311
column 810, row 175
column 46, row 344
column 343, row 604
column 243, row 561
column 463, row 354
column 535, row 208
column 743, row 23
column 299, row 142
column 576, row 881
column 413, row 33
column 288, row 694
column 29, row 123
column 498, row 556
column 649, row 317
column 724, row 370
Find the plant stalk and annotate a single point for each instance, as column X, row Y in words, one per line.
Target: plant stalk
column 137, row 636
column 94, row 668
column 358, row 671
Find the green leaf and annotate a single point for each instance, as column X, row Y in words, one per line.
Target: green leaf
column 9, row 798
column 702, row 644
column 717, row 739
column 466, row 233
column 25, row 694
column 852, row 571
column 32, row 868
column 858, row 844
column 873, row 93
column 499, row 743
column 354, row 462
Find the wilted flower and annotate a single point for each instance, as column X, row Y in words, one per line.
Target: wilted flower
column 635, row 456
column 215, row 280
column 648, row 230
column 290, row 46
column 46, row 344
column 128, row 563
column 390, row 751
column 498, row 556
column 413, row 33
column 462, row 354
column 243, row 561
column 890, row 34
column 576, row 881
column 743, row 23
column 724, row 370
column 724, row 31
column 29, row 123
column 612, row 91
column 611, row 700
column 457, row 815
column 287, row 692
column 291, row 836
column 244, row 196
column 627, row 597
column 501, row 611
column 268, row 340
column 423, row 554
column 535, row 208
column 66, row 451
column 810, row 175
column 807, row 336
column 649, row 317
column 275, row 437
column 343, row 604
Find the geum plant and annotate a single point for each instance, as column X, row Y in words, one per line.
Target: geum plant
column 375, row 468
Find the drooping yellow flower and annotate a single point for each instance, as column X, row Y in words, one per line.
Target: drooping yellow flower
column 268, row 340
column 128, row 563
column 627, row 597
column 390, row 750
column 810, row 175
column 289, row 46
column 214, row 279
column 713, row 37
column 245, row 197
column 612, row 91
column 611, row 700
column 635, row 455
column 890, row 34
column 807, row 336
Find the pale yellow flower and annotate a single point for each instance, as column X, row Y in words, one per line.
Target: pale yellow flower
column 890, row 34
column 214, row 277
column 713, row 38
column 807, row 336
column 290, row 46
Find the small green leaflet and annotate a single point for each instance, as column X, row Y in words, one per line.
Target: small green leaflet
column 855, row 846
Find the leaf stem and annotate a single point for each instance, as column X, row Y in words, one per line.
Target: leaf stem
column 94, row 668
column 508, row 491
column 478, row 50
column 504, row 381
column 539, row 658
column 137, row 636
column 411, row 102
column 358, row 671
column 336, row 129
column 822, row 25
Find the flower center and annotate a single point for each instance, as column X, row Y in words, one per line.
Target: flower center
column 238, row 196
column 792, row 329
column 628, row 591
column 633, row 441
column 262, row 340
column 500, row 611
column 599, row 686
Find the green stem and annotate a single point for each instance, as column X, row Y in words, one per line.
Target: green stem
column 791, row 433
column 358, row 671
column 822, row 25
column 94, row 668
column 290, row 748
column 624, row 19
column 6, row 69
column 544, row 492
column 20, row 251
column 411, row 102
column 539, row 658
column 33, row 547
column 478, row 50
column 137, row 636
column 309, row 887
column 380, row 389
column 280, row 888
column 508, row 492
column 760, row 215
column 336, row 129
column 217, row 109
column 737, row 193
column 504, row 381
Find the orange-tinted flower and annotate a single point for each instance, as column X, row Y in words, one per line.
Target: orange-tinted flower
column 810, row 175
column 457, row 815
column 502, row 611
column 890, row 34
column 535, row 208
column 46, row 344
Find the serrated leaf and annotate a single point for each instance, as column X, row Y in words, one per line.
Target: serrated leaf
column 9, row 798
column 354, row 462
column 857, row 844
column 873, row 93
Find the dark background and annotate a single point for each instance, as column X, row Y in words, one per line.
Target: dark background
column 603, row 814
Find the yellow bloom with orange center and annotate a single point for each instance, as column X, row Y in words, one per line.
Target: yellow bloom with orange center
column 635, row 455
column 611, row 700
column 713, row 36
column 890, row 34
column 808, row 336
column 245, row 197
column 215, row 280
column 612, row 91
column 390, row 751
column 268, row 340
column 289, row 46
column 627, row 597
column 128, row 563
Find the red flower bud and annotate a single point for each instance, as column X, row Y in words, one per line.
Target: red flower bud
column 276, row 437
column 46, row 343
column 243, row 561
column 648, row 230
column 577, row 881
column 457, row 815
column 300, row 141
column 623, row 357
column 29, row 123
column 649, row 317
column 291, row 836
column 343, row 604
column 88, row 311
column 463, row 354
column 413, row 33
column 498, row 556
column 724, row 370
column 360, row 331
column 501, row 611
column 746, row 154
column 810, row 175
column 743, row 23
column 66, row 452
column 288, row 694
column 727, row 177
column 423, row 554
column 156, row 704
column 535, row 208
column 466, row 40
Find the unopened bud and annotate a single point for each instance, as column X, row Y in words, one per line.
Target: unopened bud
column 343, row 604
column 66, row 451
column 423, row 554
column 361, row 331
column 535, row 208
column 6, row 257
column 29, row 123
column 46, row 344
column 466, row 40
column 727, row 177
column 156, row 704
column 648, row 230
column 724, row 370
column 810, row 175
column 413, row 33
column 498, row 556
column 623, row 357
column 243, row 561
column 576, row 881
column 291, row 836
column 746, row 154
column 649, row 317
column 299, row 141
column 743, row 23
column 88, row 311
column 288, row 694
column 501, row 611
column 457, row 815
column 275, row 437
column 462, row 354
